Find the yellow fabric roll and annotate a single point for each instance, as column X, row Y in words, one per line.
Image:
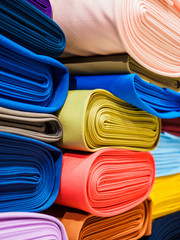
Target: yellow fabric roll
column 94, row 119
column 165, row 195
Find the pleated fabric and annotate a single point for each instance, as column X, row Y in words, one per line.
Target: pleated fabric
column 172, row 126
column 148, row 30
column 23, row 225
column 94, row 119
column 43, row 5
column 29, row 173
column 40, row 126
column 165, row 195
column 30, row 82
column 106, row 183
column 162, row 103
column 167, row 155
column 26, row 25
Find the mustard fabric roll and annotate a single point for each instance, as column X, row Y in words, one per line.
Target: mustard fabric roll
column 165, row 195
column 95, row 119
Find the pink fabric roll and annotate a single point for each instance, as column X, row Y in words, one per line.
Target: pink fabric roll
column 148, row 30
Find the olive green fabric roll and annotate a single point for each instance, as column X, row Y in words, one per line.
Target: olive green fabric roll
column 95, row 119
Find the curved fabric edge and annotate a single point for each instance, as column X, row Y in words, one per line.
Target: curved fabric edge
column 172, row 126
column 43, row 5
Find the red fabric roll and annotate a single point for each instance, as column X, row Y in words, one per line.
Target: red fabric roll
column 171, row 125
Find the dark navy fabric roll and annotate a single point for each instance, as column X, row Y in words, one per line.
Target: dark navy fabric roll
column 160, row 102
column 30, row 173
column 31, row 82
column 43, row 5
column 23, row 23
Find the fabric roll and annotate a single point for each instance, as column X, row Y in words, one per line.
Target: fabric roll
column 26, row 25
column 30, row 82
column 167, row 155
column 29, row 173
column 43, row 5
column 163, row 103
column 172, row 126
column 148, row 30
column 106, row 183
column 43, row 127
column 165, row 195
column 117, row 64
column 22, row 225
column 94, row 119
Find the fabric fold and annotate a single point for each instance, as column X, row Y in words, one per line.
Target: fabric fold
column 30, row 82
column 94, row 119
column 29, row 173
column 43, row 5
column 145, row 29
column 22, row 225
column 165, row 195
column 106, row 183
column 163, row 103
column 26, row 25
column 171, row 125
column 43, row 127
column 167, row 155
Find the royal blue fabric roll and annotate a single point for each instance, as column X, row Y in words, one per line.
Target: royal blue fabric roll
column 163, row 103
column 31, row 82
column 167, row 155
column 43, row 5
column 29, row 174
column 23, row 23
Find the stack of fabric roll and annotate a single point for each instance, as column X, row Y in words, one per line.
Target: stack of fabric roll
column 90, row 119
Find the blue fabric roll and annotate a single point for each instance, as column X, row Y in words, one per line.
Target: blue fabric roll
column 29, row 174
column 167, row 155
column 163, row 103
column 23, row 23
column 31, row 82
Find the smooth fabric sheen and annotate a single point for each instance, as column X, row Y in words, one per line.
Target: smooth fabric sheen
column 117, row 64
column 23, row 226
column 167, row 155
column 165, row 195
column 29, row 173
column 94, row 119
column 43, row 5
column 26, row 25
column 30, row 82
column 163, row 103
column 172, row 126
column 43, row 127
column 148, row 30
column 106, row 183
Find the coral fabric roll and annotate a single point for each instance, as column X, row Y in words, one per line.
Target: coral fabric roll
column 106, row 183
column 148, row 30
column 26, row 25
column 94, row 119
column 22, row 225
column 167, row 155
column 43, row 5
column 29, row 173
column 41, row 126
column 162, row 103
column 165, row 195
column 30, row 82
column 172, row 126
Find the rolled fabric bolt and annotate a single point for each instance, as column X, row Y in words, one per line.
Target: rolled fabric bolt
column 30, row 82
column 172, row 126
column 40, row 126
column 23, row 225
column 165, row 195
column 106, row 183
column 148, row 30
column 94, row 119
column 43, row 5
column 167, row 155
column 26, row 25
column 29, row 174
column 162, row 103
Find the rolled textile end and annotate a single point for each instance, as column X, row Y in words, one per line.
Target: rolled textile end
column 172, row 126
column 43, row 5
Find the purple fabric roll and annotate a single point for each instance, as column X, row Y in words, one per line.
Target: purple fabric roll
column 43, row 5
column 23, row 225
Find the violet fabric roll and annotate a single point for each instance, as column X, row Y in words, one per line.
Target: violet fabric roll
column 23, row 225
column 43, row 5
